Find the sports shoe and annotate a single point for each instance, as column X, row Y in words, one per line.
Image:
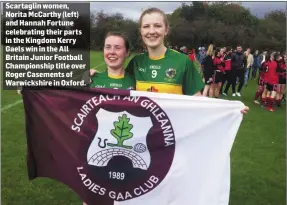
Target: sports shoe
column 256, row 102
column 238, row 94
column 233, row 95
column 224, row 94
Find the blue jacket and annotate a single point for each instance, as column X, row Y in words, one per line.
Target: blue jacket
column 256, row 62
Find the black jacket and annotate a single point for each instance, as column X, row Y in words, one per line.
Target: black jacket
column 238, row 61
column 208, row 67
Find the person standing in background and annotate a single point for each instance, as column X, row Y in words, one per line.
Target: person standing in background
column 261, row 91
column 262, row 57
column 272, row 82
column 207, row 68
column 192, row 55
column 264, row 76
column 185, row 51
column 237, row 70
column 202, row 54
column 224, row 51
column 249, row 59
column 227, row 77
column 256, row 64
column 219, row 69
column 281, row 70
column 176, row 48
column 198, row 54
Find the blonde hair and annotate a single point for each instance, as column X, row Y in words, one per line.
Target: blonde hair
column 154, row 10
column 210, row 50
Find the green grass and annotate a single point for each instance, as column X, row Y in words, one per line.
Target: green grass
column 258, row 157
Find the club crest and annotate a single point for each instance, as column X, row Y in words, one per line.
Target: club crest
column 170, row 73
column 120, row 135
column 131, row 147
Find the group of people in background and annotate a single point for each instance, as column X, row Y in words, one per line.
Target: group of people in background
column 225, row 67
column 272, row 81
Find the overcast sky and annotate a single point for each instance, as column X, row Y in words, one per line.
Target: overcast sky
column 133, row 9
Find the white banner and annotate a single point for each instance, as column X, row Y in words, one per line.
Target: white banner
column 205, row 130
column 133, row 148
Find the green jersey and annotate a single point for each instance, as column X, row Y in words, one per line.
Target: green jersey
column 172, row 73
column 104, row 80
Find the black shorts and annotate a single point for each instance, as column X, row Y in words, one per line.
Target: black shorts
column 225, row 76
column 218, row 77
column 207, row 79
column 271, row 87
column 282, row 81
column 227, row 73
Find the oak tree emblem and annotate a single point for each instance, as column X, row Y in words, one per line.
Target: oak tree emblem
column 122, row 132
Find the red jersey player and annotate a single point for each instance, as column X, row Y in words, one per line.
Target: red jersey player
column 219, row 69
column 272, row 82
column 191, row 55
column 281, row 68
column 261, row 84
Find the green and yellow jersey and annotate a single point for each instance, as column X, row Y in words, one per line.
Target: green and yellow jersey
column 172, row 73
column 104, row 80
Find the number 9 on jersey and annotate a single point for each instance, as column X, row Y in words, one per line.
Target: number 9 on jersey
column 153, row 73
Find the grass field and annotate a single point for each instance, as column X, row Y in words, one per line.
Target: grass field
column 258, row 157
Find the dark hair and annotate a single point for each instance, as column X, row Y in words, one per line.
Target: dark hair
column 282, row 56
column 228, row 48
column 277, row 55
column 217, row 51
column 119, row 34
column 268, row 56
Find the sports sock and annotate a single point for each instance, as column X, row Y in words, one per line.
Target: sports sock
column 257, row 94
column 263, row 101
column 278, row 103
column 270, row 102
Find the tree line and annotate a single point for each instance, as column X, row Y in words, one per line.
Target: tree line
column 195, row 25
column 199, row 24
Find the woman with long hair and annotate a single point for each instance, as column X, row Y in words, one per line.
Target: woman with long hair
column 227, row 77
column 207, row 67
column 281, row 68
column 264, row 69
column 162, row 69
column 256, row 64
column 272, row 82
column 261, row 91
column 218, row 64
